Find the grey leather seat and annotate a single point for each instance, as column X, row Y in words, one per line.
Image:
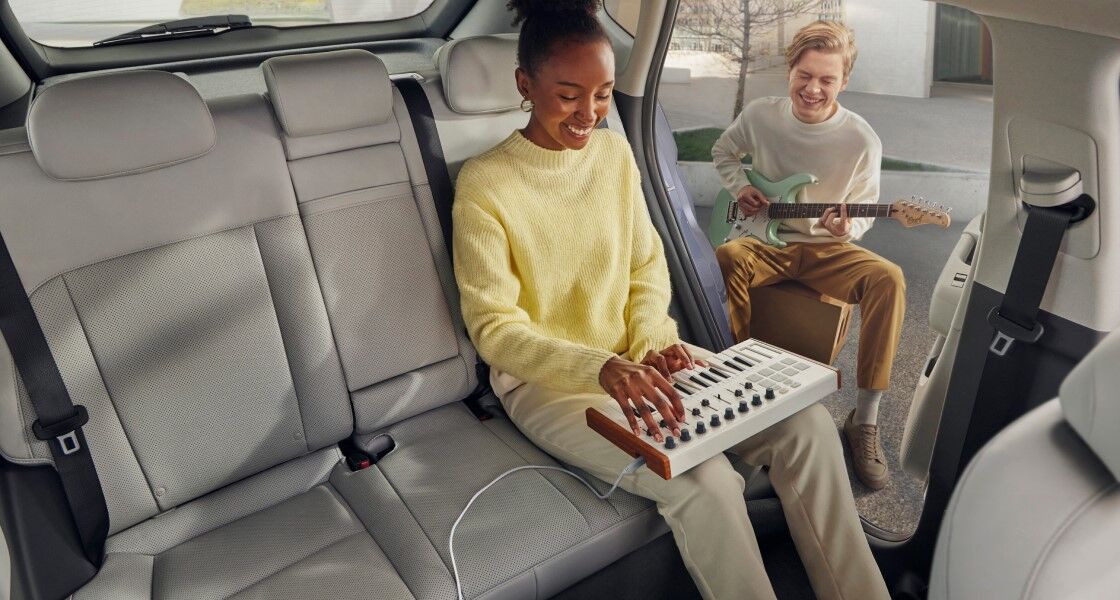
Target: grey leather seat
column 237, row 291
column 1037, row 512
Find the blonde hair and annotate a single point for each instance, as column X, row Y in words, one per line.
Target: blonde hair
column 825, row 36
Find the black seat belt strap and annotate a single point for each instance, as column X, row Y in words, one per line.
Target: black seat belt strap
column 439, row 178
column 424, row 124
column 1015, row 320
column 59, row 421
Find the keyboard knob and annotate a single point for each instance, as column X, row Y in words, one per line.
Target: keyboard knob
column 718, row 397
column 670, row 443
column 757, row 400
column 662, row 423
column 696, row 412
column 700, row 429
column 738, row 393
column 728, row 414
column 715, row 421
column 685, row 435
column 769, row 393
column 743, row 406
column 748, row 385
column 704, row 402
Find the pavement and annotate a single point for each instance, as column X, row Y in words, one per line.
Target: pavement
column 950, row 129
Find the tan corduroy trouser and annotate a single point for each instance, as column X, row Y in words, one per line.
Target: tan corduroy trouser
column 704, row 506
column 838, row 269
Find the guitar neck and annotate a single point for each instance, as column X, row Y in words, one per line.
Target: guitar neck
column 795, row 210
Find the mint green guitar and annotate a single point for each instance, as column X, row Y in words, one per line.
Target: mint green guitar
column 727, row 224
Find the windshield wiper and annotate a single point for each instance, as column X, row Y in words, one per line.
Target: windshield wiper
column 183, row 28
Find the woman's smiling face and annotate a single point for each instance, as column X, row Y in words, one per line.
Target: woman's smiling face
column 571, row 94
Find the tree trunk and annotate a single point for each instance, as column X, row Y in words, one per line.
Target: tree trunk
column 744, row 64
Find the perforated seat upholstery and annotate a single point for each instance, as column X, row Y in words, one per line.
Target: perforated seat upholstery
column 234, row 294
column 1037, row 512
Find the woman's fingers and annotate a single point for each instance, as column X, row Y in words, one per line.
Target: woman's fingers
column 629, row 413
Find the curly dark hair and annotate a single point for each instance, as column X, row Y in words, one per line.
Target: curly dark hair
column 545, row 23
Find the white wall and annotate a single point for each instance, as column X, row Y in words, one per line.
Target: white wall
column 895, row 40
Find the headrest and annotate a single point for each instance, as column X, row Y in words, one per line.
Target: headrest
column 328, row 92
column 1090, row 398
column 118, row 124
column 477, row 74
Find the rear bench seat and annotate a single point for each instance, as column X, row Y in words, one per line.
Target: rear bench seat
column 232, row 294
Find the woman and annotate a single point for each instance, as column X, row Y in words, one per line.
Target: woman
column 565, row 292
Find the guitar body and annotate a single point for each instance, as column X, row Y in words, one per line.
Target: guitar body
column 760, row 226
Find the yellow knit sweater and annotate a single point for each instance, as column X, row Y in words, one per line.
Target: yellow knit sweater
column 558, row 264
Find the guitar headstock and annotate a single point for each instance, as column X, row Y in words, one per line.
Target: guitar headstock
column 917, row 211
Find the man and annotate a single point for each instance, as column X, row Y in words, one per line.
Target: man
column 809, row 132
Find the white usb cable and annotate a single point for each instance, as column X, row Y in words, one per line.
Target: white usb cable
column 634, row 466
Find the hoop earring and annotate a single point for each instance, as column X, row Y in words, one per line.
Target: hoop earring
column 526, row 105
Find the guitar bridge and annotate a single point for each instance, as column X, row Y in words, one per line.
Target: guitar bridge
column 732, row 211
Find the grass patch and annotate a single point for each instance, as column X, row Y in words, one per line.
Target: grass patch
column 696, row 145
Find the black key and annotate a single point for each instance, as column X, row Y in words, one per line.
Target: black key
column 681, row 389
column 720, row 373
column 733, row 366
column 740, row 360
column 708, row 376
column 697, row 381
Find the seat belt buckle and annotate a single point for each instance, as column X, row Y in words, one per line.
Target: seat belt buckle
column 64, row 431
column 1008, row 332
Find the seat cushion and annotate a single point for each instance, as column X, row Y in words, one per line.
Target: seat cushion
column 531, row 535
column 307, row 542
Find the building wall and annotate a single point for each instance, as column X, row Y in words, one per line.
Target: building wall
column 895, row 40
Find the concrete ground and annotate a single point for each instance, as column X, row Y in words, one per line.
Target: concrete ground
column 953, row 128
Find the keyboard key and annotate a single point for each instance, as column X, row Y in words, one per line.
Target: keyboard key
column 788, row 361
column 801, row 366
column 766, row 372
column 790, row 371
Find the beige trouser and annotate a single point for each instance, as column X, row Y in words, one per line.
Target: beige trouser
column 838, row 269
column 704, row 506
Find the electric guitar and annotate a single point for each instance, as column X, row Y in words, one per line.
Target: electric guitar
column 727, row 224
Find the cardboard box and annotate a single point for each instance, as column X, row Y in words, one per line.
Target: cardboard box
column 793, row 316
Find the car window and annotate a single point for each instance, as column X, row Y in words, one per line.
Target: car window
column 71, row 23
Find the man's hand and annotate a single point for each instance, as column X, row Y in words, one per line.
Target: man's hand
column 671, row 359
column 836, row 222
column 751, row 200
column 635, row 387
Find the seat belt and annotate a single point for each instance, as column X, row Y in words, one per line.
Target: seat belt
column 435, row 164
column 431, row 150
column 1015, row 320
column 59, row 420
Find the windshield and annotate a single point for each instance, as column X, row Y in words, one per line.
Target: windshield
column 81, row 22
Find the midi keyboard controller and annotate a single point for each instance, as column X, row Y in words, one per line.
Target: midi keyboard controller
column 740, row 392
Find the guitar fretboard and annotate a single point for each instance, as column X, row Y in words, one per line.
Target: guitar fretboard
column 815, row 210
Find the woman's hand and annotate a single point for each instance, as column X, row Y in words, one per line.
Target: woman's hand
column 635, row 387
column 671, row 359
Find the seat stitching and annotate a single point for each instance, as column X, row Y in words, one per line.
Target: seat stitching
column 108, row 394
column 345, row 502
column 392, row 486
column 161, row 244
column 283, row 341
column 345, row 538
column 1044, row 554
